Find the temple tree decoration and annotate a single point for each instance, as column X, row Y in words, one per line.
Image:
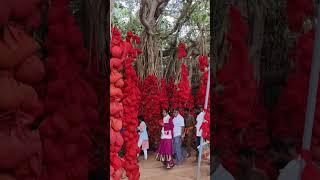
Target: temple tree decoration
column 125, row 101
column 297, row 82
column 305, row 8
column 291, row 108
column 163, row 95
column 201, row 95
column 203, row 65
column 21, row 103
column 70, row 102
column 150, row 107
column 170, row 86
column 131, row 102
column 181, row 95
column 235, row 112
column 116, row 105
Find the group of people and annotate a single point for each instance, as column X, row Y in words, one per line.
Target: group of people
column 176, row 130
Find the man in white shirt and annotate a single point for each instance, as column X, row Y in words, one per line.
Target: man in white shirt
column 218, row 172
column 178, row 129
column 200, row 118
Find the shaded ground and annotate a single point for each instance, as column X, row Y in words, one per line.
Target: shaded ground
column 153, row 170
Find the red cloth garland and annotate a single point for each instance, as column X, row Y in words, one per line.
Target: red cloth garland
column 237, row 110
column 131, row 103
column 116, row 107
column 182, row 97
column 150, row 107
column 71, row 102
column 181, row 51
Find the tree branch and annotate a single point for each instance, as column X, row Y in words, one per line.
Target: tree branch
column 187, row 9
column 143, row 16
column 161, row 6
column 153, row 8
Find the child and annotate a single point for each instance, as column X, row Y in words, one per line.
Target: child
column 143, row 142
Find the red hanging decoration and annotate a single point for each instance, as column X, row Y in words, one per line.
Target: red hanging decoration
column 182, row 97
column 237, row 113
column 150, row 108
column 131, row 104
column 182, row 51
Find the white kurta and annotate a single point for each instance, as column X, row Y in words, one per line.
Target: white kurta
column 199, row 119
column 166, row 134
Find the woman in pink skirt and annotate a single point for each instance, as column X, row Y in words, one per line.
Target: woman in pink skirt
column 165, row 150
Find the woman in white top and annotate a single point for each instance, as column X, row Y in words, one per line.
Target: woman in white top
column 165, row 150
column 143, row 142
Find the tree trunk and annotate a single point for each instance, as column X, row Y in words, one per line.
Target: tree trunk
column 149, row 62
column 220, row 23
column 94, row 23
column 257, row 39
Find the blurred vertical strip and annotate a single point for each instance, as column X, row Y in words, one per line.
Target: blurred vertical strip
column 95, row 23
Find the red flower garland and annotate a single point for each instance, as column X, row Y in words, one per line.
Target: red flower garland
column 71, row 102
column 116, row 106
column 150, row 107
column 291, row 104
column 181, row 51
column 21, row 100
column 163, row 96
column 131, row 107
column 237, row 113
column 203, row 64
column 182, row 97
column 170, row 87
column 297, row 10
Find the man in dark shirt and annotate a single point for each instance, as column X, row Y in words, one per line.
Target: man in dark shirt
column 189, row 130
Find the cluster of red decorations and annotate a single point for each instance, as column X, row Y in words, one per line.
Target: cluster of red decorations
column 203, row 62
column 292, row 103
column 23, row 12
column 201, row 94
column 297, row 10
column 206, row 125
column 182, row 97
column 237, row 113
column 170, row 87
column 71, row 102
column 181, row 51
column 131, row 104
column 163, row 95
column 116, row 105
column 150, row 107
column 21, row 70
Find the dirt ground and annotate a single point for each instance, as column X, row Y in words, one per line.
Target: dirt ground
column 153, row 170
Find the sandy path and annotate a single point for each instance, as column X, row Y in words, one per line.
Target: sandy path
column 153, row 170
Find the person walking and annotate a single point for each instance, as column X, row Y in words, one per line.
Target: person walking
column 189, row 130
column 199, row 119
column 143, row 141
column 178, row 129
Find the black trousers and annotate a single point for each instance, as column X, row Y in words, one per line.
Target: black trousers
column 198, row 143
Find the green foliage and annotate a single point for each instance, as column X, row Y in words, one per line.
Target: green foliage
column 125, row 17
